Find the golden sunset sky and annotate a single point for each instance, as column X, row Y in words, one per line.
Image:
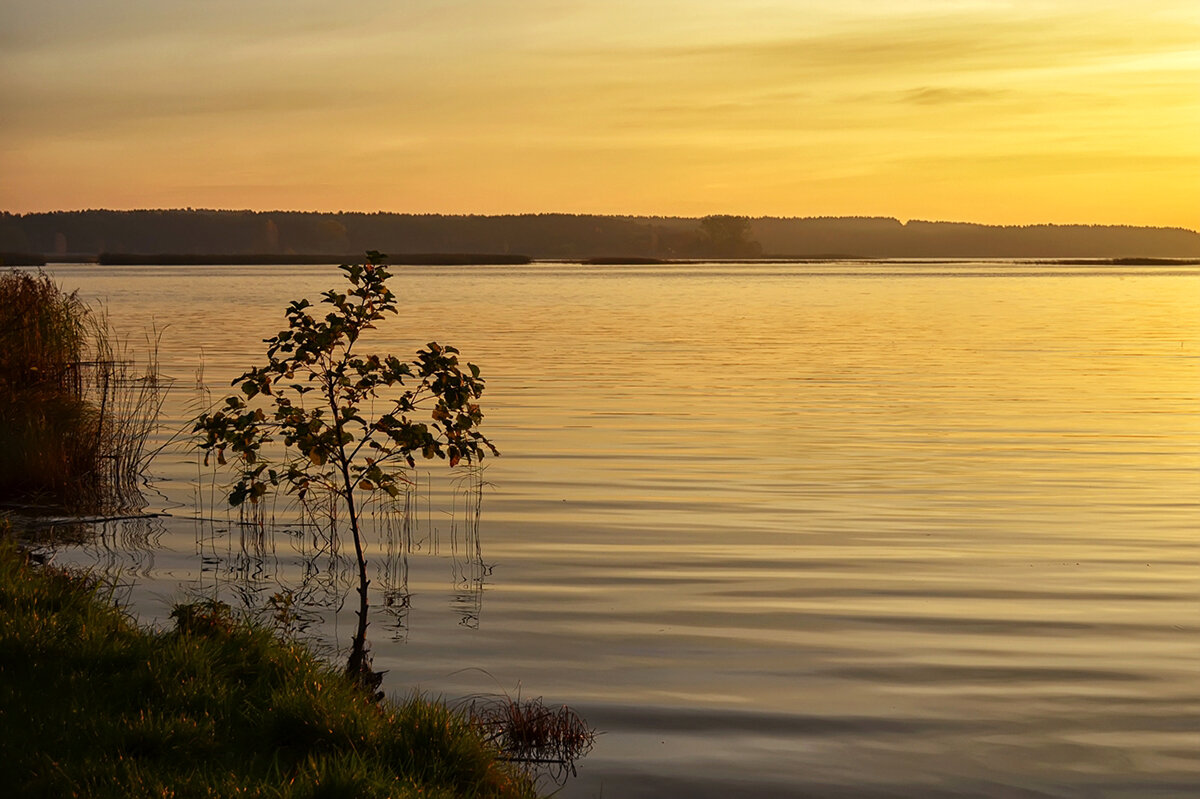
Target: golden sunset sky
column 977, row 110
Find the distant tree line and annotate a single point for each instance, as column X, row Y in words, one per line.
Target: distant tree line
column 568, row 236
column 882, row 237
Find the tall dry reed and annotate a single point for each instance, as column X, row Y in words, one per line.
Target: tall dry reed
column 76, row 411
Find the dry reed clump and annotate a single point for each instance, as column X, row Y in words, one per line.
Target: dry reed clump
column 75, row 415
column 543, row 739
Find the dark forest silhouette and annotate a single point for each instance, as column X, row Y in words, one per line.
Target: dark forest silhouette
column 281, row 233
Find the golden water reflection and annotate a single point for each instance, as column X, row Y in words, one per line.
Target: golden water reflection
column 903, row 529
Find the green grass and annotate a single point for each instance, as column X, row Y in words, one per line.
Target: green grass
column 92, row 705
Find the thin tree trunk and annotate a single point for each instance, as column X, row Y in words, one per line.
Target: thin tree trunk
column 357, row 667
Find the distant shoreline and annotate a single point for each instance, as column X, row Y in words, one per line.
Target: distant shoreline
column 309, row 237
column 506, row 259
column 291, row 259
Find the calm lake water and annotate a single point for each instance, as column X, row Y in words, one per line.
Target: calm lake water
column 838, row 529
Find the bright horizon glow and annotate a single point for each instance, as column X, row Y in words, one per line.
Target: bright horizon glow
column 989, row 111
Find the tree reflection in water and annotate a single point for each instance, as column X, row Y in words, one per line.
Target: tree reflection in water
column 297, row 573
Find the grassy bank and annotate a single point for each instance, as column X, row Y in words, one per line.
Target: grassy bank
column 92, row 705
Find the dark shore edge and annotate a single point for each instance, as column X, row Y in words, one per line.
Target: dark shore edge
column 277, row 259
column 509, row 259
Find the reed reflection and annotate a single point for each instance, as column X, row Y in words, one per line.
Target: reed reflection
column 294, row 569
column 467, row 565
column 116, row 548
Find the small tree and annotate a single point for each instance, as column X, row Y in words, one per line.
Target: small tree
column 315, row 393
column 726, row 236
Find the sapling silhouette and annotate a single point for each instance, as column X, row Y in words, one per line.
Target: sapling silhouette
column 314, row 394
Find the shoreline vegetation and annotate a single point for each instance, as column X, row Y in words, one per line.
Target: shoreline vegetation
column 84, row 234
column 93, row 705
column 276, row 259
column 22, row 259
column 76, row 409
column 508, row 259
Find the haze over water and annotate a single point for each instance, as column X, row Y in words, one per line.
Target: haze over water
column 843, row 529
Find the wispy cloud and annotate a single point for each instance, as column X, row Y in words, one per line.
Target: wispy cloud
column 940, row 95
column 880, row 51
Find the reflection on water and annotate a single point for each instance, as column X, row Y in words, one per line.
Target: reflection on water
column 127, row 546
column 297, row 556
column 292, row 563
column 469, row 570
column 853, row 529
column 400, row 535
